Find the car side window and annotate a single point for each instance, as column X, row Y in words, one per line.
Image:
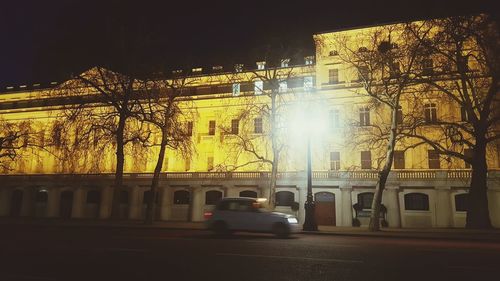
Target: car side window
column 246, row 206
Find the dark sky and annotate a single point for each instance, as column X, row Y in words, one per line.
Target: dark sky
column 48, row 40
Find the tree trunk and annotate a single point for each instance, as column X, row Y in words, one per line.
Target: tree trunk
column 150, row 210
column 478, row 216
column 120, row 160
column 384, row 174
column 272, row 185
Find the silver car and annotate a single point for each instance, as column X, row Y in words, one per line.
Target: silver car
column 247, row 214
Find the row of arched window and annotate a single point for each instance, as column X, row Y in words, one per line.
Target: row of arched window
column 414, row 201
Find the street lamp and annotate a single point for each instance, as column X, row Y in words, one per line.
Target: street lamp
column 309, row 118
column 309, row 206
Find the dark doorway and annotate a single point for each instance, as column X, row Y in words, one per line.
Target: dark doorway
column 66, row 204
column 16, row 203
column 325, row 208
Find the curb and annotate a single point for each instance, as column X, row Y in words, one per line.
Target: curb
column 405, row 236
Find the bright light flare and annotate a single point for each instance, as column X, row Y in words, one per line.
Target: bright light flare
column 308, row 120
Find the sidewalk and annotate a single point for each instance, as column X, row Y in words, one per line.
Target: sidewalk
column 492, row 235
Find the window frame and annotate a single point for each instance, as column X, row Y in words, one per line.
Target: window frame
column 434, row 161
column 364, row 116
column 211, row 127
column 334, row 160
column 411, row 201
column 365, row 162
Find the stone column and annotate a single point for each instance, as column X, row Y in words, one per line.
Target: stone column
column 231, row 191
column 53, row 202
column 391, row 202
column 443, row 211
column 166, row 203
column 346, row 205
column 197, row 203
column 135, row 203
column 106, row 202
column 28, row 204
column 302, row 202
column 79, row 202
column 494, row 206
column 5, row 198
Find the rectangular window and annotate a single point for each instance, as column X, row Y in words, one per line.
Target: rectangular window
column 394, row 70
column 427, row 67
column 333, row 76
column 464, row 115
column 363, row 73
column 257, row 124
column 399, row 159
column 430, row 112
column 364, row 116
column 235, row 124
column 399, row 115
column 334, row 119
column 258, row 87
column 283, row 87
column 261, row 65
column 468, row 153
column 187, row 164
column 308, row 83
column 366, row 160
column 335, row 160
column 189, row 129
column 210, row 163
column 211, row 127
column 236, row 89
column 433, row 156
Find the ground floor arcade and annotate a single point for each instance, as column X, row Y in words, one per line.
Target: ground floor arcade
column 412, row 198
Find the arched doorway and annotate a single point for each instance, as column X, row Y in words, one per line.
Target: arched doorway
column 124, row 204
column 325, row 208
column 248, row 193
column 66, row 204
column 16, row 203
column 41, row 199
column 93, row 203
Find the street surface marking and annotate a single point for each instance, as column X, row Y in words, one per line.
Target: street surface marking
column 291, row 258
column 27, row 277
column 126, row 250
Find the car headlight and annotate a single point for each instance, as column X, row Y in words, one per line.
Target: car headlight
column 292, row 220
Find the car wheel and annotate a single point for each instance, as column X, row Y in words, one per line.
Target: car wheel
column 220, row 228
column 281, row 230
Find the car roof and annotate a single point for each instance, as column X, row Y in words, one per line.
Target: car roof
column 239, row 198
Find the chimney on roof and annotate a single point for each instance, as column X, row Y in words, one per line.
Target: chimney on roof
column 308, row 60
column 261, row 64
column 238, row 67
column 197, row 70
column 217, row 68
column 285, row 62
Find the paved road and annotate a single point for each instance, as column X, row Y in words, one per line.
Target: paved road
column 86, row 253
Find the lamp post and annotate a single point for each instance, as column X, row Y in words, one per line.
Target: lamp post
column 309, row 206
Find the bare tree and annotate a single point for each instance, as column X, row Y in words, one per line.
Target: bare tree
column 265, row 139
column 14, row 137
column 159, row 106
column 383, row 67
column 460, row 62
column 99, row 111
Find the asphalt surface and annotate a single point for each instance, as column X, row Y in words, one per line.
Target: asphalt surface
column 83, row 253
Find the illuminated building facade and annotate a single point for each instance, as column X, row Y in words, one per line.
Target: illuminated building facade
column 424, row 189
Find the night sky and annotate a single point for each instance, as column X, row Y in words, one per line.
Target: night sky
column 44, row 41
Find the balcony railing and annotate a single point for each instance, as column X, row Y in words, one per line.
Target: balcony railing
column 317, row 175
